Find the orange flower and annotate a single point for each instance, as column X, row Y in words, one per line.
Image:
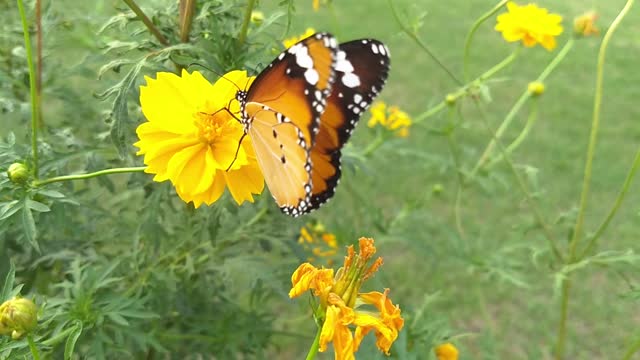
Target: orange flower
column 446, row 351
column 584, row 25
column 342, row 304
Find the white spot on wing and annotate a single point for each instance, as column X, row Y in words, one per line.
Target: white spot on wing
column 350, row 80
column 312, row 77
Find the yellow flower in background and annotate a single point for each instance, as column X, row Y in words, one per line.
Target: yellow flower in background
column 289, row 42
column 191, row 140
column 446, row 351
column 530, row 24
column 316, row 240
column 316, row 5
column 391, row 118
column 344, row 308
column 584, row 25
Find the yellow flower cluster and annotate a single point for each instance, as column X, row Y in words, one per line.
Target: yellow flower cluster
column 191, row 138
column 530, row 24
column 343, row 307
column 391, row 118
column 289, row 42
column 321, row 244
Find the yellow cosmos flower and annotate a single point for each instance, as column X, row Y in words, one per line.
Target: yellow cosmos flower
column 446, row 351
column 343, row 307
column 530, row 24
column 316, row 240
column 391, row 118
column 584, row 25
column 191, row 140
column 289, row 42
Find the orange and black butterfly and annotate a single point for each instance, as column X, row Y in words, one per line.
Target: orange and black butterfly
column 301, row 110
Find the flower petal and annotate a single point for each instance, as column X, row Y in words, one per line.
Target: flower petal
column 244, row 182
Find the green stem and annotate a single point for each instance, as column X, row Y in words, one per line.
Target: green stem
column 463, row 90
column 187, row 9
column 533, row 115
column 89, row 175
column 313, row 350
column 147, row 22
column 39, row 60
column 374, row 145
column 417, row 40
column 519, row 103
column 474, row 28
column 245, row 23
column 32, row 89
column 616, row 205
column 523, row 187
column 32, row 346
column 632, row 350
column 453, row 149
column 586, row 181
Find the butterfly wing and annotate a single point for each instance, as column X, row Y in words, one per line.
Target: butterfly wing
column 361, row 69
column 281, row 112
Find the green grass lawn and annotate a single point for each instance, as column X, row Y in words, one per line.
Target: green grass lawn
column 490, row 287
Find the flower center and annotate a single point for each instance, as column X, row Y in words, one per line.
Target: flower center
column 210, row 126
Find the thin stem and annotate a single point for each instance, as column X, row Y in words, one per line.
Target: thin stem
column 519, row 103
column 463, row 90
column 533, row 115
column 616, row 205
column 523, row 187
column 39, row 59
column 245, row 23
column 374, row 145
column 453, row 149
column 32, row 346
column 147, row 22
column 32, row 88
column 313, row 350
column 187, row 9
column 586, row 181
column 89, row 175
column 424, row 47
column 474, row 28
column 632, row 350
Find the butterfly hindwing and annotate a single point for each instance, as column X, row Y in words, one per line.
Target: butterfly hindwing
column 362, row 67
column 281, row 113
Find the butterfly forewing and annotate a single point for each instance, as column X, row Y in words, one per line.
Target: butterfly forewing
column 361, row 69
column 281, row 112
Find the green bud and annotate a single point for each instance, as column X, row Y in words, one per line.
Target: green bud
column 450, row 99
column 18, row 316
column 437, row 189
column 18, row 173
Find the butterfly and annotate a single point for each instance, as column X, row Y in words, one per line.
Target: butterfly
column 301, row 110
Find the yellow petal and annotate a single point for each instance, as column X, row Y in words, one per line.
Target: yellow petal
column 244, row 182
column 301, row 279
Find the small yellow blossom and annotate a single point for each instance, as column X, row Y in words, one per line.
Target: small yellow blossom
column 257, row 17
column 18, row 316
column 349, row 315
column 191, row 140
column 289, row 42
column 391, row 118
column 536, row 88
column 584, row 25
column 446, row 351
column 530, row 24
column 316, row 240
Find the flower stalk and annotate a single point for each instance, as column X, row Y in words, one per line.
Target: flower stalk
column 147, row 22
column 89, row 175
column 245, row 22
column 187, row 9
column 472, row 31
column 313, row 350
column 32, row 89
column 586, row 182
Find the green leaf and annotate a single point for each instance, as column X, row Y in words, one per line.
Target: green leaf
column 8, row 283
column 51, row 193
column 29, row 226
column 70, row 344
column 9, row 208
column 118, row 319
column 37, row 206
column 120, row 112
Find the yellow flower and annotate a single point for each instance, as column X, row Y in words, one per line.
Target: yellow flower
column 289, row 42
column 18, row 316
column 317, row 241
column 344, row 308
column 530, row 24
column 536, row 88
column 191, row 140
column 584, row 25
column 316, row 5
column 446, row 351
column 391, row 118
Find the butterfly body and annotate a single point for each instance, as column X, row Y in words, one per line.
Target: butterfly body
column 301, row 110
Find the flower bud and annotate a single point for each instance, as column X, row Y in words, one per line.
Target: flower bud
column 437, row 189
column 450, row 99
column 536, row 88
column 257, row 17
column 18, row 173
column 446, row 351
column 18, row 316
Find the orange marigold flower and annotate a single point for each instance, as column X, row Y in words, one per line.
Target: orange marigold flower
column 289, row 42
column 349, row 315
column 530, row 24
column 446, row 351
column 190, row 140
column 584, row 25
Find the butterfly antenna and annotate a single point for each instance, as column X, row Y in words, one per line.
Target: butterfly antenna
column 237, row 151
column 215, row 72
